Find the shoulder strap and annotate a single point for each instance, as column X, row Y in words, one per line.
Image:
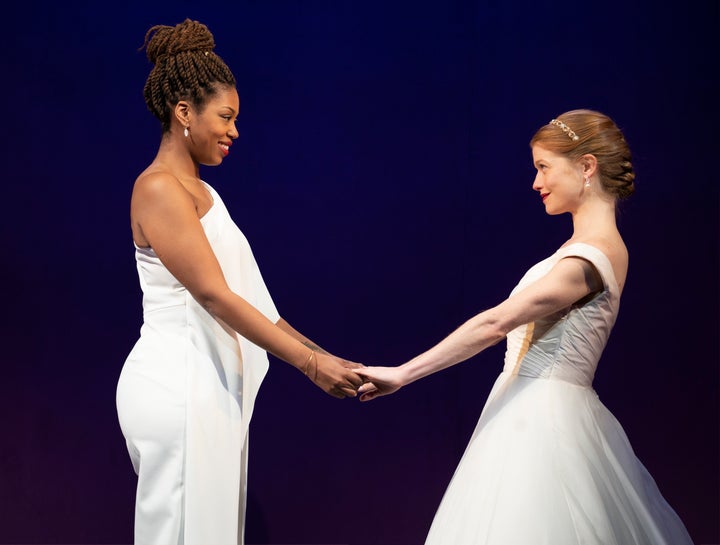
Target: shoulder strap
column 594, row 255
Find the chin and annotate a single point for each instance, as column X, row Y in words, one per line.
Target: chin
column 212, row 163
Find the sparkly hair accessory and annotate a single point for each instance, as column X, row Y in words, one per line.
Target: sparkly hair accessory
column 567, row 130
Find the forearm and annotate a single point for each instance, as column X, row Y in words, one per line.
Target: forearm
column 249, row 322
column 471, row 338
column 294, row 333
column 281, row 341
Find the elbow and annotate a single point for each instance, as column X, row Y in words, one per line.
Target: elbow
column 213, row 301
column 490, row 330
column 495, row 333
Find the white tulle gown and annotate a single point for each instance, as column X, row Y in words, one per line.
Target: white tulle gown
column 185, row 397
column 548, row 464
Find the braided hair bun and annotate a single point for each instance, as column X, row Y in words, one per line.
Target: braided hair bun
column 185, row 68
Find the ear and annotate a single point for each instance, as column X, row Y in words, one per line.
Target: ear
column 588, row 162
column 182, row 113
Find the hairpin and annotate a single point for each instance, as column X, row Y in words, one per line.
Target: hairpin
column 567, row 130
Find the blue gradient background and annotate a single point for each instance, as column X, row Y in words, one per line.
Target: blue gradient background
column 383, row 178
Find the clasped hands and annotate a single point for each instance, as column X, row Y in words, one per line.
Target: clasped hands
column 341, row 378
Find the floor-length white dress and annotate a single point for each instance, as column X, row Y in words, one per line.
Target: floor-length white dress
column 185, row 398
column 548, row 464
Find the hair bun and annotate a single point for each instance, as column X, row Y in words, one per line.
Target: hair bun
column 164, row 41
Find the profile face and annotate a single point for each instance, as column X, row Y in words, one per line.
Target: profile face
column 213, row 130
column 558, row 180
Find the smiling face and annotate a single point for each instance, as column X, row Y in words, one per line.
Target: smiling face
column 558, row 180
column 212, row 130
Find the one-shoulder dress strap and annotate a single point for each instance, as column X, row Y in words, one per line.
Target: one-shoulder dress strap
column 211, row 189
column 594, row 255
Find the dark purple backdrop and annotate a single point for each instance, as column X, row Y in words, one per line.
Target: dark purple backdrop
column 383, row 178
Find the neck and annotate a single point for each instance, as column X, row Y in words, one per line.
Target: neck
column 175, row 157
column 595, row 216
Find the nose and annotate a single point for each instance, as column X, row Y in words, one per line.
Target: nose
column 233, row 132
column 537, row 184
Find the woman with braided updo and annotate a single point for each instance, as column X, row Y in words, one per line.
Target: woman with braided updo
column 186, row 391
column 547, row 463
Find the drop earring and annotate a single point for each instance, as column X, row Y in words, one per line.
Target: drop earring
column 587, row 180
column 186, row 132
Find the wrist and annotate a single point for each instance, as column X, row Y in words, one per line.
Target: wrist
column 310, row 366
column 408, row 372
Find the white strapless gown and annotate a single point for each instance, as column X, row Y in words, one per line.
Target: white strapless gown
column 185, row 397
column 548, row 464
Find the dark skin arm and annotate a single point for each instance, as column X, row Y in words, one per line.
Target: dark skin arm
column 164, row 214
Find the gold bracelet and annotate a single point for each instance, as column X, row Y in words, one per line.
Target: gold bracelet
column 307, row 363
column 316, row 366
column 307, row 367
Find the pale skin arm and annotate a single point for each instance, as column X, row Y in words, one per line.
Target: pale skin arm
column 571, row 279
column 164, row 212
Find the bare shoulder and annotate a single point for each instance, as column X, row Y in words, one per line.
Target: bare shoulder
column 157, row 195
column 159, row 189
column 155, row 183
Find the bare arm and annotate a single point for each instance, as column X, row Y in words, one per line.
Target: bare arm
column 570, row 280
column 324, row 370
column 165, row 213
column 290, row 330
column 285, row 326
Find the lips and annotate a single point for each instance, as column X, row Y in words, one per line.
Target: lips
column 225, row 149
column 544, row 196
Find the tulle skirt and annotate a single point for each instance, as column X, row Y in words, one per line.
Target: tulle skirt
column 548, row 464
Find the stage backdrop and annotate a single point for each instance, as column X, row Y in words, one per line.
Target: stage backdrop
column 383, row 178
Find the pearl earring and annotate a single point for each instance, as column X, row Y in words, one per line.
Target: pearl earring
column 587, row 180
column 185, row 132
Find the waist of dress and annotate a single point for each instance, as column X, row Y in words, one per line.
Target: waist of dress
column 171, row 317
column 571, row 376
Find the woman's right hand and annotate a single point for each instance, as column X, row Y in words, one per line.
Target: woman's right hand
column 334, row 375
column 379, row 381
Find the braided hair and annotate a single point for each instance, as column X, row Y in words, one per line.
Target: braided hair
column 185, row 68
